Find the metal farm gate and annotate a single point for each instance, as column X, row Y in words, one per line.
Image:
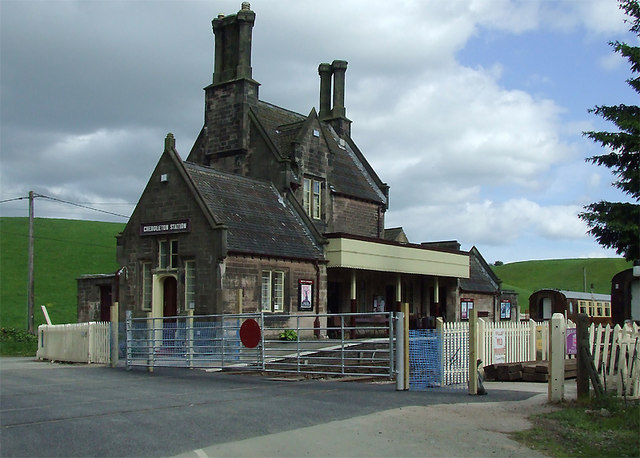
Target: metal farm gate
column 351, row 344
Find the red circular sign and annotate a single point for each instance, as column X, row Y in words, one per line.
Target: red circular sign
column 250, row 333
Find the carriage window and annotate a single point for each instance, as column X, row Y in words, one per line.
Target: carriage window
column 582, row 307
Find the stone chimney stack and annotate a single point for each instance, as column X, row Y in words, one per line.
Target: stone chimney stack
column 233, row 91
column 325, row 90
column 233, row 45
column 339, row 68
column 336, row 115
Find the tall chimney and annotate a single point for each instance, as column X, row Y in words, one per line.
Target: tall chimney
column 325, row 90
column 233, row 45
column 233, row 92
column 339, row 67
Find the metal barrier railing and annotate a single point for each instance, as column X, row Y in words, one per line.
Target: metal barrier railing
column 329, row 344
column 210, row 341
column 355, row 344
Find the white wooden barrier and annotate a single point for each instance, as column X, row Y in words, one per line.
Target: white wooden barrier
column 78, row 342
column 616, row 355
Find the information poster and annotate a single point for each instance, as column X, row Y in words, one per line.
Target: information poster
column 305, row 295
column 499, row 344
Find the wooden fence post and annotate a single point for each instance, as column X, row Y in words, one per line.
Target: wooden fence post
column 532, row 340
column 556, row 358
column 582, row 375
column 586, row 367
column 115, row 344
column 473, row 351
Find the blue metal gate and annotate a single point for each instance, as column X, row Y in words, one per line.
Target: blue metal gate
column 439, row 358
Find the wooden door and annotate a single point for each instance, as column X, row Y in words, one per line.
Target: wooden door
column 170, row 297
column 105, row 303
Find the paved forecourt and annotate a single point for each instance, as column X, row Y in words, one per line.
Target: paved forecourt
column 78, row 410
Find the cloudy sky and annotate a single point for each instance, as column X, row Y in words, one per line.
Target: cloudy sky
column 471, row 110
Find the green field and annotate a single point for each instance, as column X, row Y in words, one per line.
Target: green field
column 564, row 274
column 64, row 250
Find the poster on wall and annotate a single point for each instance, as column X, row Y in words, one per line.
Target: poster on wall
column 378, row 304
column 305, row 295
column 505, row 310
column 466, row 307
column 499, row 344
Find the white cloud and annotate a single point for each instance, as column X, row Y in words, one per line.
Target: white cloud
column 612, row 61
column 458, row 129
column 491, row 223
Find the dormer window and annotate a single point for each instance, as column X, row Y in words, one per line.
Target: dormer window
column 312, row 198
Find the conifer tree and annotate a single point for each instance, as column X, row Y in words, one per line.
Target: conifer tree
column 617, row 224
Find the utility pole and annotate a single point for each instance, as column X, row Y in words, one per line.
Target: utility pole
column 30, row 295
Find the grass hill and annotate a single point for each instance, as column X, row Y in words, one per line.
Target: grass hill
column 64, row 250
column 566, row 274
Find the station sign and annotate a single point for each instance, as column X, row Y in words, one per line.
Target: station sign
column 166, row 227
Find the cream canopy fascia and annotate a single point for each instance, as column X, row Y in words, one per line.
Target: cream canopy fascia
column 354, row 253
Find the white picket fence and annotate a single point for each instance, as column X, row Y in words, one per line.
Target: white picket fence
column 78, row 342
column 616, row 355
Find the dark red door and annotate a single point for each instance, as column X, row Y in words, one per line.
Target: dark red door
column 105, row 303
column 170, row 297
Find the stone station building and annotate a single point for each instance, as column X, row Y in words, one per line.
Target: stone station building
column 274, row 211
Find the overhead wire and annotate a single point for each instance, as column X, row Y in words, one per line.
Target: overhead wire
column 55, row 199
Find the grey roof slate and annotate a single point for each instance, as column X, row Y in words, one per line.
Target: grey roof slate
column 347, row 175
column 479, row 280
column 259, row 221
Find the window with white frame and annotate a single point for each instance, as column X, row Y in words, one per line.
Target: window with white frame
column 168, row 254
column 146, row 285
column 189, row 285
column 312, row 198
column 272, row 291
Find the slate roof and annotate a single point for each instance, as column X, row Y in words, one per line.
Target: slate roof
column 481, row 278
column 347, row 176
column 281, row 125
column 259, row 221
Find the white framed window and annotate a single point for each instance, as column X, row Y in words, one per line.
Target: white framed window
column 312, row 198
column 582, row 307
column 146, row 285
column 272, row 291
column 168, row 254
column 189, row 285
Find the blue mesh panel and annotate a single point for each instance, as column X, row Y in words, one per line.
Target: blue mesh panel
column 425, row 359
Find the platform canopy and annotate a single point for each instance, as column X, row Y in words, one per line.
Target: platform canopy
column 382, row 256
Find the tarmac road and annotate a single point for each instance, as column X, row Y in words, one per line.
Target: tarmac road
column 79, row 410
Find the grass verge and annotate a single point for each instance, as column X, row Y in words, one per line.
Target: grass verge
column 607, row 428
column 17, row 342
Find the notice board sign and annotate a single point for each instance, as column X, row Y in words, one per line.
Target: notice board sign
column 305, row 295
column 499, row 346
column 572, row 341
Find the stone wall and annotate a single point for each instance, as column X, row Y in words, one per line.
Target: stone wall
column 89, row 296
